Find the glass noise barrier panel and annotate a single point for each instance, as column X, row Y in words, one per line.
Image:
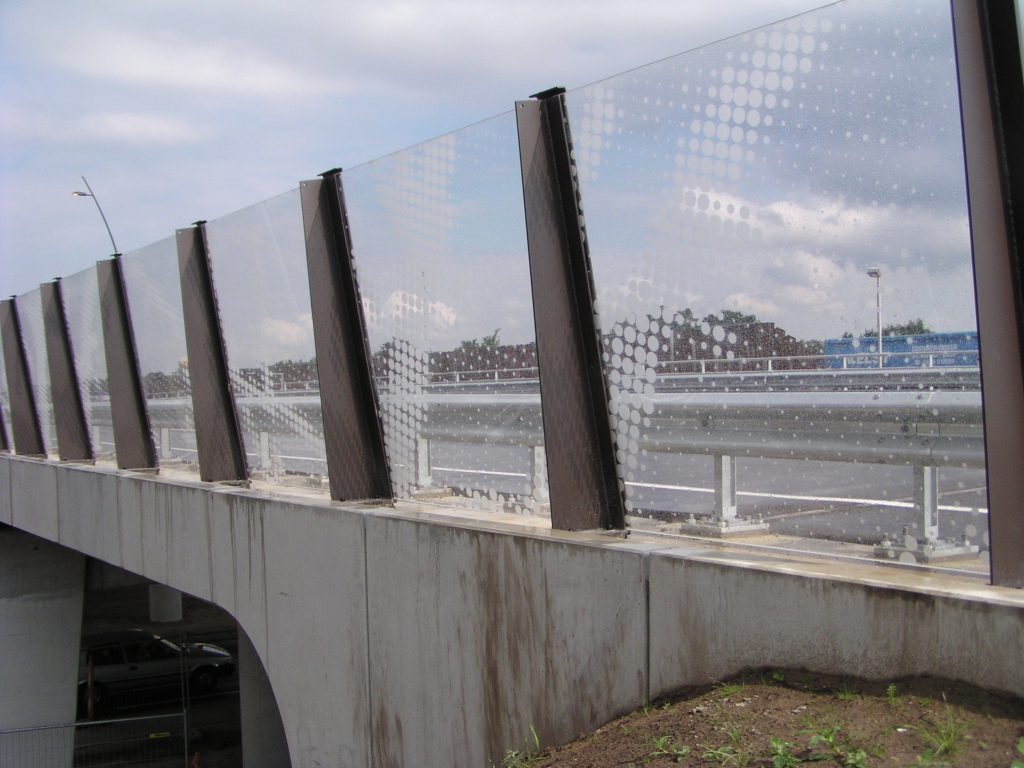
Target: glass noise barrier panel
column 80, row 292
column 258, row 259
column 780, row 242
column 440, row 248
column 33, row 336
column 153, row 293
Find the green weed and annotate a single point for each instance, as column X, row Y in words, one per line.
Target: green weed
column 780, row 754
column 891, row 697
column 1020, row 750
column 946, row 738
column 732, row 755
column 928, row 758
column 663, row 745
column 848, row 755
column 847, row 694
column 778, row 677
column 728, row 689
column 516, row 759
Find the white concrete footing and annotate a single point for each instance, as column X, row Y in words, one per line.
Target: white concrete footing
column 41, row 586
column 164, row 604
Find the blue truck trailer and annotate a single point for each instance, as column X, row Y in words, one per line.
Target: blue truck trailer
column 959, row 349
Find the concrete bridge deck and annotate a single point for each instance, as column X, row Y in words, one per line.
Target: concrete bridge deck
column 396, row 636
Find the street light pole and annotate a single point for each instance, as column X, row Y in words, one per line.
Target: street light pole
column 876, row 272
column 96, row 200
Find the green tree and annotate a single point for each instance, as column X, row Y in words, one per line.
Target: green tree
column 474, row 345
column 911, row 328
column 730, row 316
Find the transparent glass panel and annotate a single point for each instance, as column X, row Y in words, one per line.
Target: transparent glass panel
column 5, row 402
column 85, row 327
column 33, row 336
column 440, row 248
column 258, row 259
column 738, row 198
column 153, row 291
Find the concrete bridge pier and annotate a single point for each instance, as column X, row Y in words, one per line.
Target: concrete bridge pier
column 41, row 590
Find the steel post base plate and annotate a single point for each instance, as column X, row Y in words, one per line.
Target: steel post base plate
column 928, row 553
column 726, row 528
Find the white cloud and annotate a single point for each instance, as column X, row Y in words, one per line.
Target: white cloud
column 288, row 333
column 442, row 315
column 753, row 305
column 420, row 48
column 99, row 128
column 149, row 60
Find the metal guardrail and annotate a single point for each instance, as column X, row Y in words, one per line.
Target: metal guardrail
column 276, row 386
column 913, row 425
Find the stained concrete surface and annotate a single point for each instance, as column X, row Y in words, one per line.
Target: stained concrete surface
column 475, row 637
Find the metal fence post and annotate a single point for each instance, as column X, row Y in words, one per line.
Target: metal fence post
column 218, row 438
column 28, row 438
column 725, row 487
column 354, row 439
column 73, row 442
column 133, row 440
column 992, row 115
column 584, row 488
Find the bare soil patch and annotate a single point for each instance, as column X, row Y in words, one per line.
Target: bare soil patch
column 781, row 719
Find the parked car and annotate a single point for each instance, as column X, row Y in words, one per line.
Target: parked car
column 147, row 666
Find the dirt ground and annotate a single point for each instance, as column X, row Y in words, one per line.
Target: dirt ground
column 783, row 719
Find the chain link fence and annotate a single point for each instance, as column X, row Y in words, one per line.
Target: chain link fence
column 154, row 740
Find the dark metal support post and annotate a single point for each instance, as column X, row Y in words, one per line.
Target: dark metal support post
column 356, row 461
column 218, row 438
column 585, row 492
column 992, row 114
column 73, row 442
column 133, row 439
column 28, row 438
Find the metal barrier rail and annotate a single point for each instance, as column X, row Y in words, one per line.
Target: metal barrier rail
column 740, row 365
column 921, row 429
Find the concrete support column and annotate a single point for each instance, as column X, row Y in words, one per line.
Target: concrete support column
column 725, row 487
column 265, row 462
column 41, row 587
column 926, row 501
column 164, row 604
column 264, row 744
column 423, row 477
column 539, row 473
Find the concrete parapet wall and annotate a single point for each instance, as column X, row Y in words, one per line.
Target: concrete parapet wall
column 394, row 638
column 475, row 636
column 713, row 616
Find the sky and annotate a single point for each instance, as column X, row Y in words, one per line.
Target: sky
column 833, row 140
column 182, row 111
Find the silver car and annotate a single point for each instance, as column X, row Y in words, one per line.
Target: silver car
column 147, row 666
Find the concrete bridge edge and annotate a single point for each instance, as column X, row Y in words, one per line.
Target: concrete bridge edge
column 391, row 638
